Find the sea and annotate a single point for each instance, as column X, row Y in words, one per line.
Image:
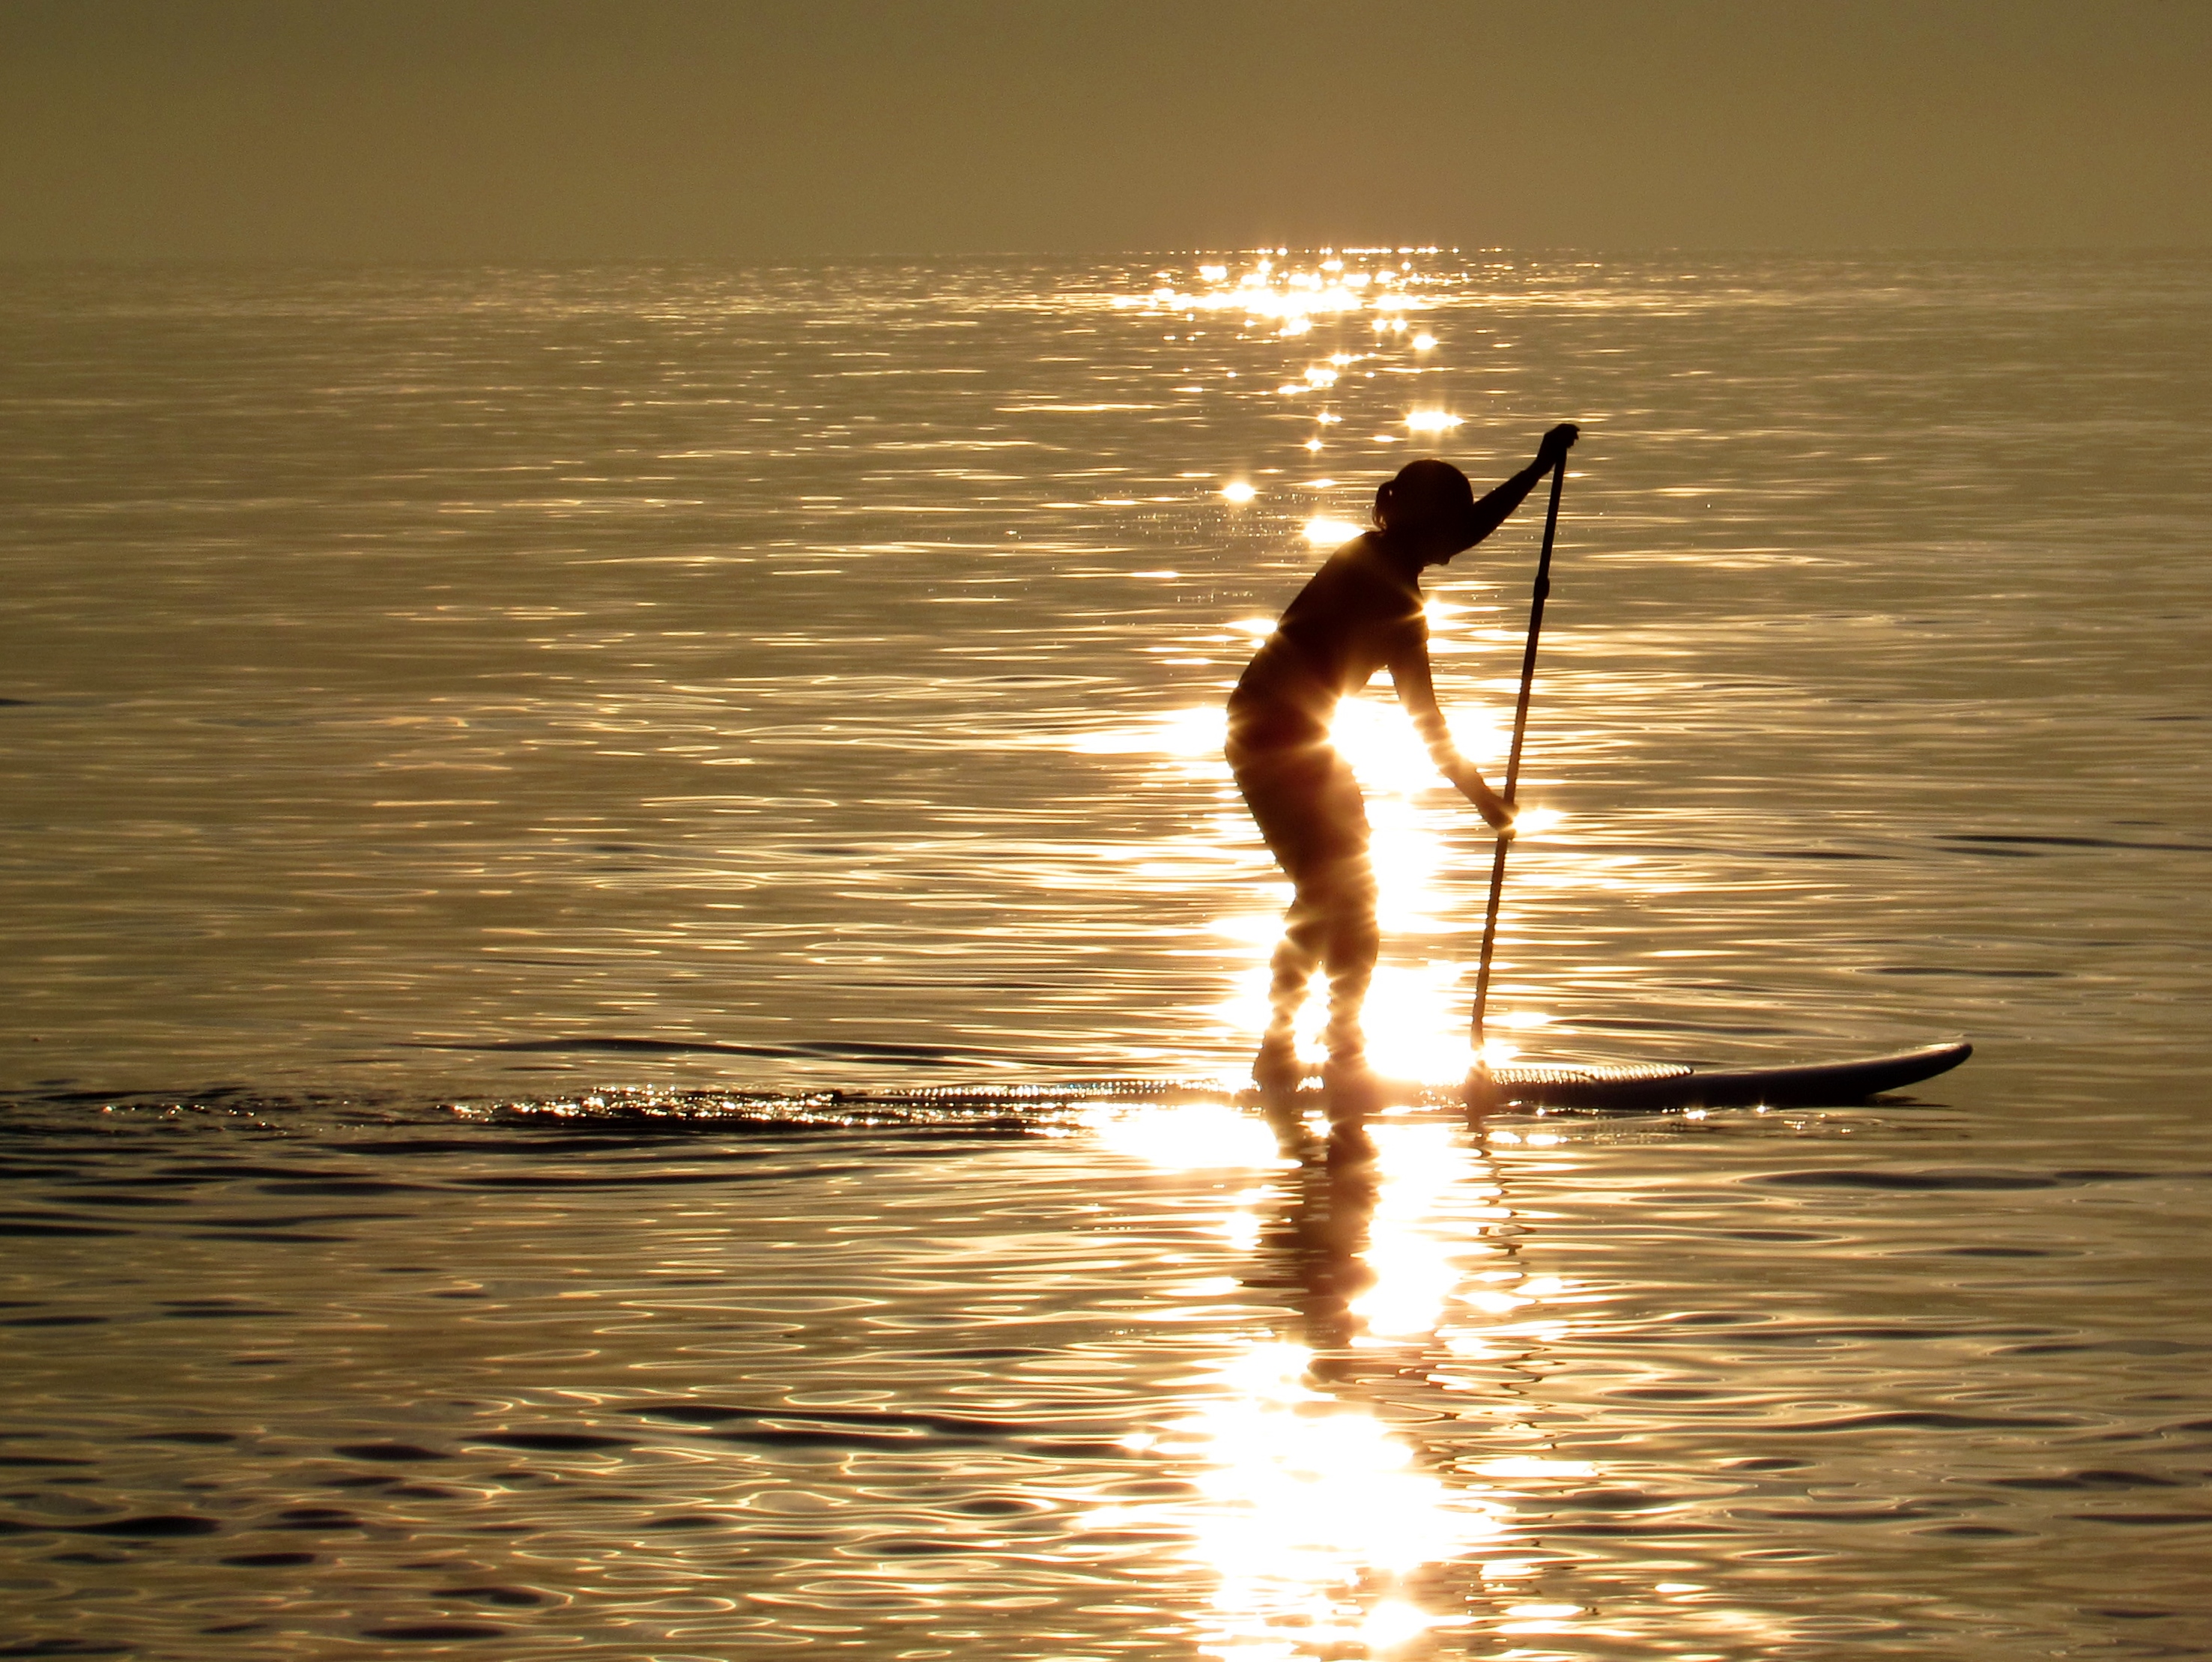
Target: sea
column 627, row 952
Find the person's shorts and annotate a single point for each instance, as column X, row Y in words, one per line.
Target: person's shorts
column 1306, row 802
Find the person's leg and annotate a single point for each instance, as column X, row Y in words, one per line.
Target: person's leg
column 1341, row 886
column 1280, row 787
column 1297, row 955
column 1308, row 808
column 1353, row 943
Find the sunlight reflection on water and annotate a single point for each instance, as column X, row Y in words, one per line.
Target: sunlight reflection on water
column 1324, row 1525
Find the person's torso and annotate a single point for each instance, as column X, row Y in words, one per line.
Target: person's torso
column 1357, row 615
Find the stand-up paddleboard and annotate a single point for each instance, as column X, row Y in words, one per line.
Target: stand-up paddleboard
column 1673, row 1085
column 1635, row 1088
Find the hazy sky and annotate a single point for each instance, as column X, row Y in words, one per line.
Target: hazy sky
column 553, row 128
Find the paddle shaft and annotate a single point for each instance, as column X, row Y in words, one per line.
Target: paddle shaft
column 1543, row 588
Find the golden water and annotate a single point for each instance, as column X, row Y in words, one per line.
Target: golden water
column 438, row 691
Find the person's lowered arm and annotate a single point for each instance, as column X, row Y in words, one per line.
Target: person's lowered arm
column 1417, row 691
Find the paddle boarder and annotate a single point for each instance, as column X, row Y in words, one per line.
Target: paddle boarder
column 1359, row 613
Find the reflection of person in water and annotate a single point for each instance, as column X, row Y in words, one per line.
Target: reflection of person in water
column 1317, row 1245
column 1360, row 612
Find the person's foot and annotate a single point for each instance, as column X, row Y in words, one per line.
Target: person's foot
column 1286, row 1119
column 1482, row 1094
column 1351, row 1090
column 1277, row 1069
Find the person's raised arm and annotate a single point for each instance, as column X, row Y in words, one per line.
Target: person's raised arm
column 1417, row 691
column 1494, row 509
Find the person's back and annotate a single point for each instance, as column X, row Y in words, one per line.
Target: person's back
column 1359, row 613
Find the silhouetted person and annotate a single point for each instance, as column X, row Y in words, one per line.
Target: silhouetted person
column 1359, row 613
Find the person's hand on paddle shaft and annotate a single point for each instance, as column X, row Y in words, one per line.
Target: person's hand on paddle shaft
column 1557, row 443
column 1491, row 806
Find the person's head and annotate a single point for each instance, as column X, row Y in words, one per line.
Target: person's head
column 1427, row 510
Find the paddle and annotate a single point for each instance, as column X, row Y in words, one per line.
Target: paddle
column 1543, row 587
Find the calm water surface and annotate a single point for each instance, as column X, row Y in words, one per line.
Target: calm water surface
column 484, row 750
